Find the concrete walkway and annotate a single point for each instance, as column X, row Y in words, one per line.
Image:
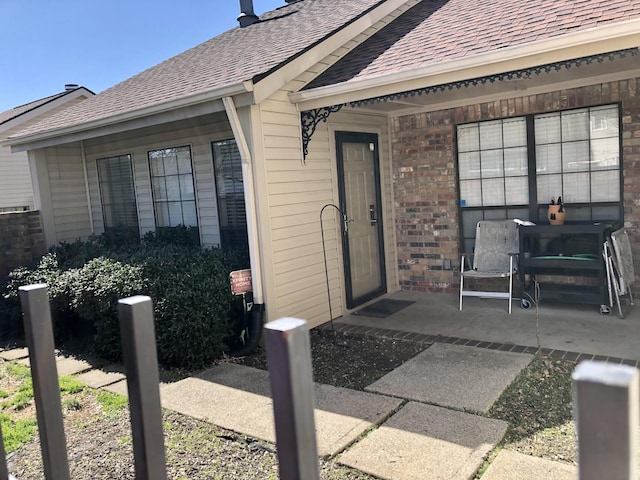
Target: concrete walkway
column 393, row 430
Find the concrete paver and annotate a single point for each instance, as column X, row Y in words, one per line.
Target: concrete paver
column 71, row 366
column 426, row 442
column 118, row 387
column 453, row 376
column 15, row 353
column 64, row 365
column 101, row 378
column 237, row 398
column 510, row 465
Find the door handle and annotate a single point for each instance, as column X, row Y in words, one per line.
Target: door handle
column 372, row 215
column 346, row 223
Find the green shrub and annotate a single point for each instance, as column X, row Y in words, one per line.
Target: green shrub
column 48, row 272
column 195, row 313
column 193, row 305
column 94, row 291
column 180, row 236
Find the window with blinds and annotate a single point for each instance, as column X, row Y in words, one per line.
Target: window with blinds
column 117, row 192
column 230, row 193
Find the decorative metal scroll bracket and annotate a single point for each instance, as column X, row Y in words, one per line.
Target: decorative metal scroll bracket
column 310, row 120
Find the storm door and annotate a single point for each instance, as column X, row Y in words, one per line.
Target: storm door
column 360, row 202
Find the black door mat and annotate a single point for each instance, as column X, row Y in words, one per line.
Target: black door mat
column 383, row 308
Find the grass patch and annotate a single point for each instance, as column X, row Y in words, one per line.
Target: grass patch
column 18, row 371
column 17, row 433
column 112, row 403
column 69, row 385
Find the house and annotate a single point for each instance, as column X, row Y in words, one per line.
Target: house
column 16, row 191
column 411, row 120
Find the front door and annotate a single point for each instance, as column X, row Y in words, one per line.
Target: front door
column 360, row 201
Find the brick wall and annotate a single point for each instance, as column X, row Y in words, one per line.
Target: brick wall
column 425, row 181
column 21, row 240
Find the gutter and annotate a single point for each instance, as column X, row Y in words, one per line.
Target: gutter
column 624, row 35
column 249, row 199
column 235, row 89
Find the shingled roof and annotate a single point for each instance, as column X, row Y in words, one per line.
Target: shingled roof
column 235, row 56
column 441, row 30
column 27, row 107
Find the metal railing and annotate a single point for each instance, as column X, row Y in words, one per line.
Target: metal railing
column 606, row 399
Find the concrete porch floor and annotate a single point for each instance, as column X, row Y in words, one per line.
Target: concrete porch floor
column 565, row 329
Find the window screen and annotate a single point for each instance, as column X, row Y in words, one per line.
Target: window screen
column 117, row 192
column 230, row 192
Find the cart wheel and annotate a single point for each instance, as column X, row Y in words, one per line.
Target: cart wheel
column 605, row 310
column 525, row 304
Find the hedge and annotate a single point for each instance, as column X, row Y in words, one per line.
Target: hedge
column 196, row 316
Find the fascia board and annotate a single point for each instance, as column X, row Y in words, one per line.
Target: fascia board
column 273, row 82
column 574, row 45
column 154, row 114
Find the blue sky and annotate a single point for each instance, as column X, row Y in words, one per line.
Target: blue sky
column 45, row 44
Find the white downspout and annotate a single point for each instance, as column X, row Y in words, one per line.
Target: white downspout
column 249, row 199
column 86, row 184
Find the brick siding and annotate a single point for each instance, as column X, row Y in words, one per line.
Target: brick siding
column 425, row 180
column 21, row 240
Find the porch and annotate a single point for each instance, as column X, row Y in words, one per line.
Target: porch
column 567, row 331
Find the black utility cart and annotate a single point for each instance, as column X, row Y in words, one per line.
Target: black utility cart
column 569, row 250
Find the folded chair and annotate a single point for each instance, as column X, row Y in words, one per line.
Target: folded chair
column 494, row 256
column 621, row 266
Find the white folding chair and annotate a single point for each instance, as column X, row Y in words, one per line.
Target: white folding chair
column 494, row 256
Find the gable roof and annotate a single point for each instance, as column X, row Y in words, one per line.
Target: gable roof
column 27, row 107
column 442, row 30
column 25, row 115
column 235, row 56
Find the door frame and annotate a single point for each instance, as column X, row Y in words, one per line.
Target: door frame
column 342, row 136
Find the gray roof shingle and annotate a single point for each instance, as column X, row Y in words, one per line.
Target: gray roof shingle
column 232, row 57
column 441, row 30
column 27, row 107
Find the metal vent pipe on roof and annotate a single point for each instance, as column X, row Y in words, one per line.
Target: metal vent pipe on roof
column 247, row 17
column 70, row 86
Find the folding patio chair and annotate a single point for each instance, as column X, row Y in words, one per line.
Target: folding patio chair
column 494, row 256
column 622, row 271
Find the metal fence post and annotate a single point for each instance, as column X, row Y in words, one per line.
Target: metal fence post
column 141, row 364
column 606, row 413
column 289, row 363
column 44, row 374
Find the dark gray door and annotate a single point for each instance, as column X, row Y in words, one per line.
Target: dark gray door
column 360, row 200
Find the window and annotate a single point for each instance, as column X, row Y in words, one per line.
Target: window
column 117, row 192
column 230, row 190
column 174, row 199
column 511, row 168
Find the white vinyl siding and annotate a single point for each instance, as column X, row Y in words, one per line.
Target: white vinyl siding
column 15, row 181
column 198, row 136
column 297, row 192
column 68, row 194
